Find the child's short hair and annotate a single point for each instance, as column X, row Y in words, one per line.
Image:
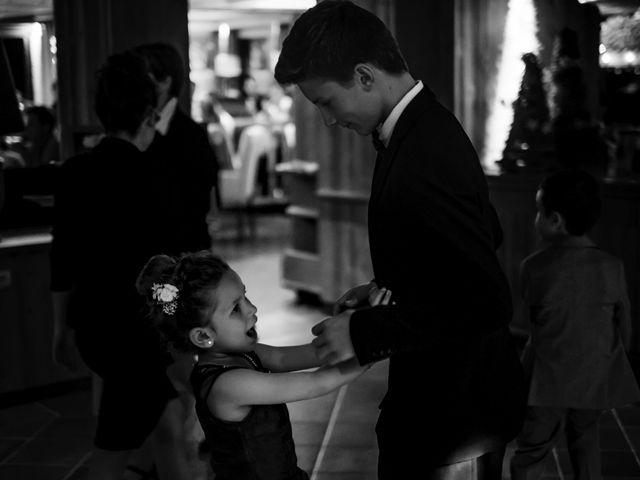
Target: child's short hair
column 44, row 115
column 331, row 38
column 125, row 94
column 164, row 61
column 574, row 194
column 189, row 305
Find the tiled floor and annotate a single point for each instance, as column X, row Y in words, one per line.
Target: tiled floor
column 50, row 439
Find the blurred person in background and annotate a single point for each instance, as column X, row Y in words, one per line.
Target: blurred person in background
column 106, row 225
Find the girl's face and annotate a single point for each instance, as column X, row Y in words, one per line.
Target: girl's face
column 234, row 319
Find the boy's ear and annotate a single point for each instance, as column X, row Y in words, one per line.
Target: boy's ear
column 162, row 85
column 202, row 337
column 364, row 75
column 557, row 222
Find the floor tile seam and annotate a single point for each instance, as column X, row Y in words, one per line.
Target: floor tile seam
column 329, row 431
column 29, row 440
column 626, row 436
column 42, row 464
column 77, row 466
column 556, row 459
column 49, row 409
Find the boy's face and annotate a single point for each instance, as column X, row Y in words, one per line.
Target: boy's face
column 549, row 225
column 147, row 130
column 347, row 105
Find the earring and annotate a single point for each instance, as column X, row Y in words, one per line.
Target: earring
column 209, row 343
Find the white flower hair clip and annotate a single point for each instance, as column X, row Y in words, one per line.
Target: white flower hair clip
column 166, row 295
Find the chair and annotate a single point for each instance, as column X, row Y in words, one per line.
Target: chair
column 238, row 186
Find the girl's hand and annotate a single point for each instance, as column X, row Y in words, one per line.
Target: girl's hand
column 358, row 296
column 379, row 296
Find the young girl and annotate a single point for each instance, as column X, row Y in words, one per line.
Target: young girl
column 199, row 304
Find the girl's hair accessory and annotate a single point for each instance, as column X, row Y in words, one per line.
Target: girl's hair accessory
column 166, row 295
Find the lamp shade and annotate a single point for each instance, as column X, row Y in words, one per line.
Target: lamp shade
column 227, row 65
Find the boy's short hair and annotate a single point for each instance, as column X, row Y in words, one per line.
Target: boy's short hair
column 330, row 39
column 44, row 115
column 574, row 194
column 165, row 61
column 125, row 93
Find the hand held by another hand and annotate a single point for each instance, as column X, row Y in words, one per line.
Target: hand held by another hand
column 333, row 338
column 379, row 296
column 355, row 297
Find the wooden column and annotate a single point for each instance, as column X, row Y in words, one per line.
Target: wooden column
column 88, row 32
column 345, row 163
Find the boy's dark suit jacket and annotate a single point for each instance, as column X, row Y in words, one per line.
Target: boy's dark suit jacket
column 182, row 170
column 455, row 380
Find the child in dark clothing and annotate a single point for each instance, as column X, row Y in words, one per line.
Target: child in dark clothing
column 580, row 328
column 199, row 304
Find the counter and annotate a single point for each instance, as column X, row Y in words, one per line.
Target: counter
column 26, row 319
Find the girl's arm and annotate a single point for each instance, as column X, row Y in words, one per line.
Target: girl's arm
column 235, row 391
column 302, row 357
column 287, row 359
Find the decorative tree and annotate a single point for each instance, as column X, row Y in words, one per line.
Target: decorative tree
column 577, row 138
column 529, row 144
column 621, row 33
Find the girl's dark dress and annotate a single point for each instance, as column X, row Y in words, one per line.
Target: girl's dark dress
column 105, row 229
column 259, row 447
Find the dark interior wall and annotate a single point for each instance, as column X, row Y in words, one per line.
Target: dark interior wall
column 18, row 55
column 88, row 32
column 10, row 116
column 425, row 33
column 145, row 21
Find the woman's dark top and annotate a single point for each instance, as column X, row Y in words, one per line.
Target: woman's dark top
column 259, row 447
column 105, row 229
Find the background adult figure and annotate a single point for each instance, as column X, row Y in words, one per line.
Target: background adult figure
column 183, row 165
column 433, row 235
column 41, row 145
column 106, row 226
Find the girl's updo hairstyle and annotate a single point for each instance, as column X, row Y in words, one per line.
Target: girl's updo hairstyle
column 195, row 275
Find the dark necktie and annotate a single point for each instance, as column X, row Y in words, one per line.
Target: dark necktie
column 377, row 143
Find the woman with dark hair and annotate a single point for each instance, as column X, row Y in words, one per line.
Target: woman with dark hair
column 105, row 228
